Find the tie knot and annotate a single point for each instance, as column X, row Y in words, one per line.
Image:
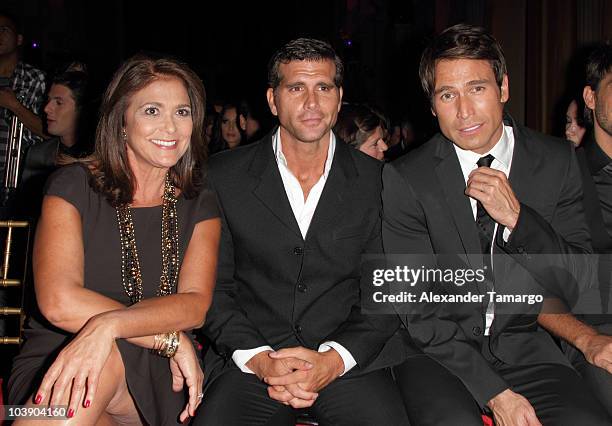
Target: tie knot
column 485, row 161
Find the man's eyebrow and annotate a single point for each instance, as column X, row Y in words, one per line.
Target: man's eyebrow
column 469, row 83
column 477, row 82
column 442, row 89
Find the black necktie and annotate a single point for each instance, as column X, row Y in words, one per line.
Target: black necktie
column 485, row 224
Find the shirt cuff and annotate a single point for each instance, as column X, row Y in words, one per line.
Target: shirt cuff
column 506, row 234
column 347, row 358
column 241, row 357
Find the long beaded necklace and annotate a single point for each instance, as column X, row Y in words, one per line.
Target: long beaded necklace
column 130, row 266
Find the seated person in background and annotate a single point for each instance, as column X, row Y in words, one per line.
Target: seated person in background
column 402, row 140
column 22, row 90
column 363, row 128
column 229, row 130
column 574, row 121
column 103, row 345
column 68, row 121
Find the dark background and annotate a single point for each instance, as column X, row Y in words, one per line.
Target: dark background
column 228, row 43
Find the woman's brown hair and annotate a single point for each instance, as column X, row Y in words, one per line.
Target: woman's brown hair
column 109, row 167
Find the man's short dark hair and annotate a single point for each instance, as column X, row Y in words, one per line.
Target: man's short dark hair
column 16, row 23
column 598, row 65
column 303, row 49
column 461, row 41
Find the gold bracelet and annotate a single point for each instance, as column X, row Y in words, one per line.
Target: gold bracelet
column 158, row 342
column 170, row 344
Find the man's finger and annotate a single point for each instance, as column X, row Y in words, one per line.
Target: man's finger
column 487, row 171
column 476, row 194
column 297, row 364
column 287, row 379
column 298, row 352
column 301, row 403
column 283, row 395
column 532, row 420
column 299, row 392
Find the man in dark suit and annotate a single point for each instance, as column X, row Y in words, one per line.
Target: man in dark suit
column 488, row 186
column 299, row 210
column 588, row 338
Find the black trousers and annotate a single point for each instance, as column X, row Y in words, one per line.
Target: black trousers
column 434, row 396
column 598, row 379
column 236, row 398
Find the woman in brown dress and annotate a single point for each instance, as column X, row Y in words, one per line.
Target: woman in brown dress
column 118, row 229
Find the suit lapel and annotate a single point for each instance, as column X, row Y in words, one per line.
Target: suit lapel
column 269, row 187
column 451, row 179
column 525, row 159
column 340, row 179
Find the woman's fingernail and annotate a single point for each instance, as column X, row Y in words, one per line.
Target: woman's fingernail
column 87, row 403
column 38, row 399
column 70, row 413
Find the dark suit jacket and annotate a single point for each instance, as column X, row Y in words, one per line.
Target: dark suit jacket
column 587, row 155
column 426, row 211
column 602, row 242
column 275, row 288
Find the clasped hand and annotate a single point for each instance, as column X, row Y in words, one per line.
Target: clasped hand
column 295, row 375
column 492, row 189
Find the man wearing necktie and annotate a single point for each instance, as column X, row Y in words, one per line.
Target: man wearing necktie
column 497, row 196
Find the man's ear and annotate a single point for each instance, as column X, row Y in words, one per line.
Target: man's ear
column 433, row 111
column 242, row 122
column 505, row 90
column 340, row 101
column 588, row 94
column 19, row 40
column 271, row 104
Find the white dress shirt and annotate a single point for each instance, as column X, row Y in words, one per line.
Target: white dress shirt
column 502, row 152
column 303, row 210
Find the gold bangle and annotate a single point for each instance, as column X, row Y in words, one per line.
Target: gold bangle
column 170, row 345
column 158, row 343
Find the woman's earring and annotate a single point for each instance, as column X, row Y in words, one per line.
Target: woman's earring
column 124, row 134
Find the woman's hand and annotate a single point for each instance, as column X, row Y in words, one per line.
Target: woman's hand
column 185, row 368
column 76, row 370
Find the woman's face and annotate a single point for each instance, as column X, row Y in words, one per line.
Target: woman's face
column 573, row 131
column 374, row 145
column 158, row 124
column 229, row 128
column 61, row 111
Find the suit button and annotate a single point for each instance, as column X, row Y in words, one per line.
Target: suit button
column 302, row 287
column 476, row 331
column 298, row 251
column 298, row 328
